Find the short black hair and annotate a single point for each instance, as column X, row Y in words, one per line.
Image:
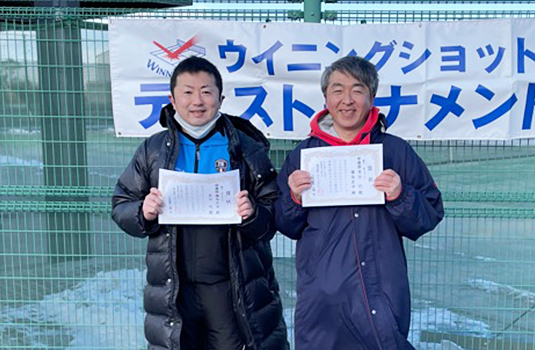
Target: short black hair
column 194, row 65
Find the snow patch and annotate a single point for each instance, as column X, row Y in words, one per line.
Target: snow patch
column 497, row 288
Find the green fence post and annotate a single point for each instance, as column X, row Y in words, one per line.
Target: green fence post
column 63, row 128
column 312, row 9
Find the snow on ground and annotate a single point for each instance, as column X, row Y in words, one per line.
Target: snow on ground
column 103, row 312
column 10, row 160
column 497, row 288
column 444, row 321
column 106, row 312
column 22, row 131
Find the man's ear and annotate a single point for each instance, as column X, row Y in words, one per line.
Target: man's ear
column 222, row 98
column 170, row 97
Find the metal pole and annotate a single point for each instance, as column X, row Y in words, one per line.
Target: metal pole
column 63, row 129
column 312, row 9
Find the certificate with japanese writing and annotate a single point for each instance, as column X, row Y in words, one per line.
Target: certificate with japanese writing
column 199, row 199
column 342, row 175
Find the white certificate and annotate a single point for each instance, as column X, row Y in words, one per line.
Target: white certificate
column 342, row 175
column 199, row 199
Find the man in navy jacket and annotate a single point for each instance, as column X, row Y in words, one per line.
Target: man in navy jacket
column 352, row 283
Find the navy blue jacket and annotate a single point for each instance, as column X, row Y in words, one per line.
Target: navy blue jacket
column 352, row 283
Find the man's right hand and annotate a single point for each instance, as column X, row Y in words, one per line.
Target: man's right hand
column 299, row 181
column 152, row 205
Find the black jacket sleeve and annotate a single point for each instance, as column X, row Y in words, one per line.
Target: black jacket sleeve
column 127, row 200
column 263, row 192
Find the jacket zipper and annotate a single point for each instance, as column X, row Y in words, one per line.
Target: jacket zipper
column 369, row 314
column 197, row 157
column 172, row 232
column 196, row 170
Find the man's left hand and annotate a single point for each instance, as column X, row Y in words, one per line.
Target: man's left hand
column 245, row 207
column 388, row 182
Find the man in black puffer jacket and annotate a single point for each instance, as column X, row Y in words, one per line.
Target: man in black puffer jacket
column 209, row 287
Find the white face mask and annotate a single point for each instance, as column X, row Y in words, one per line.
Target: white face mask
column 197, row 132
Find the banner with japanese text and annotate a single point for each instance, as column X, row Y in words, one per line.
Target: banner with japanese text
column 462, row 80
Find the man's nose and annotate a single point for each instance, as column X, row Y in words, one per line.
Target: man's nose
column 197, row 98
column 347, row 98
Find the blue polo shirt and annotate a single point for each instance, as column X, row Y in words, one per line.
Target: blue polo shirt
column 206, row 157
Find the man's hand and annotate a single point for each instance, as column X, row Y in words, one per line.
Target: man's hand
column 245, row 207
column 388, row 182
column 299, row 181
column 152, row 205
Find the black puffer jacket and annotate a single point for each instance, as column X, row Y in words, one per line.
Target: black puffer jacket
column 254, row 288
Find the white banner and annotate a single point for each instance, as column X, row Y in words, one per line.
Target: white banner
column 438, row 80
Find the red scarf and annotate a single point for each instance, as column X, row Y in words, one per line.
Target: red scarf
column 362, row 138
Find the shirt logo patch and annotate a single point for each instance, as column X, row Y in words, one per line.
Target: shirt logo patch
column 221, row 165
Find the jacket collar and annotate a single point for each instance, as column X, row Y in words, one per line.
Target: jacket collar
column 226, row 124
column 362, row 138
